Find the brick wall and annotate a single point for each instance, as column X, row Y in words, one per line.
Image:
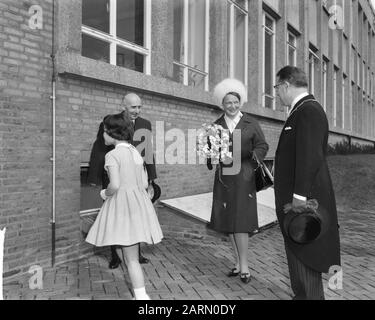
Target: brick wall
column 81, row 104
column 25, row 136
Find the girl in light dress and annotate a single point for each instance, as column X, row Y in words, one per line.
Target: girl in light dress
column 127, row 216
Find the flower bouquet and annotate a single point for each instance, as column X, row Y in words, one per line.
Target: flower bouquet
column 213, row 143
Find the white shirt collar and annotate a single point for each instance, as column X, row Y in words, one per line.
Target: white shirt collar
column 123, row 144
column 296, row 100
column 232, row 123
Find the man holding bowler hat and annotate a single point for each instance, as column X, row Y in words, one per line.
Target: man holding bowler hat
column 303, row 187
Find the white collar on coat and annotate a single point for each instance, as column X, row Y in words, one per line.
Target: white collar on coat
column 296, row 100
column 232, row 123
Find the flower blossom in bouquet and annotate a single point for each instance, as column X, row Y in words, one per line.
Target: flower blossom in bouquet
column 213, row 143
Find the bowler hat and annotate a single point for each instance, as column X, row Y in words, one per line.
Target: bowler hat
column 154, row 191
column 303, row 225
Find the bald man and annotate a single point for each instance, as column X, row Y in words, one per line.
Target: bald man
column 142, row 139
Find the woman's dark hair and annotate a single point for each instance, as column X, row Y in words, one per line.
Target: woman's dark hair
column 294, row 76
column 119, row 126
column 233, row 94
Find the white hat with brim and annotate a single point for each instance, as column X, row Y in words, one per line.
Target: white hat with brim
column 226, row 86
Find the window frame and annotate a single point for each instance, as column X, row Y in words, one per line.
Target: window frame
column 335, row 77
column 113, row 41
column 293, row 46
column 351, row 103
column 313, row 65
column 325, row 64
column 343, row 100
column 264, row 30
column 232, row 6
column 185, row 36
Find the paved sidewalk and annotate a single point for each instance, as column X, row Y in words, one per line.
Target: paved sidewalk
column 195, row 269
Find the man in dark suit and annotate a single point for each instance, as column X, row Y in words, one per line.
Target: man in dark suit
column 142, row 140
column 301, row 173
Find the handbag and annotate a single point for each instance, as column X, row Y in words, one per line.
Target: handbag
column 154, row 191
column 263, row 177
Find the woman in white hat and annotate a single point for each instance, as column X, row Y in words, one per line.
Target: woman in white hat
column 234, row 208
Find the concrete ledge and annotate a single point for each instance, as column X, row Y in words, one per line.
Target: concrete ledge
column 75, row 64
column 199, row 206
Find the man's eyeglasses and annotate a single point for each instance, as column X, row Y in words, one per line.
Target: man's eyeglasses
column 278, row 85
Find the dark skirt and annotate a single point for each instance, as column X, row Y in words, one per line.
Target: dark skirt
column 234, row 207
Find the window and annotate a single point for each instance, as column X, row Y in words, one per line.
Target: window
column 314, row 63
column 343, row 99
column 359, row 70
column 364, row 115
column 293, row 12
column 364, row 78
column 292, row 49
column 355, row 24
column 238, row 40
column 118, row 32
column 325, row 82
column 190, row 48
column 370, row 46
column 335, row 78
column 368, row 82
column 269, row 26
column 359, row 28
column 353, row 110
column 313, row 21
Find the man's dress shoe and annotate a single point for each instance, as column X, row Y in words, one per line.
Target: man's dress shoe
column 114, row 263
column 143, row 260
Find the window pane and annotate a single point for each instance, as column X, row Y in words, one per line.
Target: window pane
column 291, row 55
column 312, row 20
column 196, row 33
column 239, row 45
column 292, row 11
column 269, row 23
column 95, row 14
column 130, row 21
column 196, row 80
column 268, row 63
column 95, row 48
column 178, row 30
column 129, row 59
column 291, row 39
column 90, row 198
column 268, row 102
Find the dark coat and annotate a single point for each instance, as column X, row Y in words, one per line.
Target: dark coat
column 97, row 175
column 234, row 207
column 301, row 168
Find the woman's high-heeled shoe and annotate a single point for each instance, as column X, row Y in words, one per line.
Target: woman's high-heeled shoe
column 233, row 273
column 245, row 277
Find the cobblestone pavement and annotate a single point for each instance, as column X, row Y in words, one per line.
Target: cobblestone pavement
column 195, row 269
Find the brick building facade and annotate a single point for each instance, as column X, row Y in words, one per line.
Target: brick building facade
column 173, row 55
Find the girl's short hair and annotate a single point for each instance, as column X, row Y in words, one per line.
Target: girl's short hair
column 119, row 126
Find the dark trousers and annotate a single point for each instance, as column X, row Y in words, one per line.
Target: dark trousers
column 306, row 283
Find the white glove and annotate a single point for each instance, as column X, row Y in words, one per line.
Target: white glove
column 103, row 195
